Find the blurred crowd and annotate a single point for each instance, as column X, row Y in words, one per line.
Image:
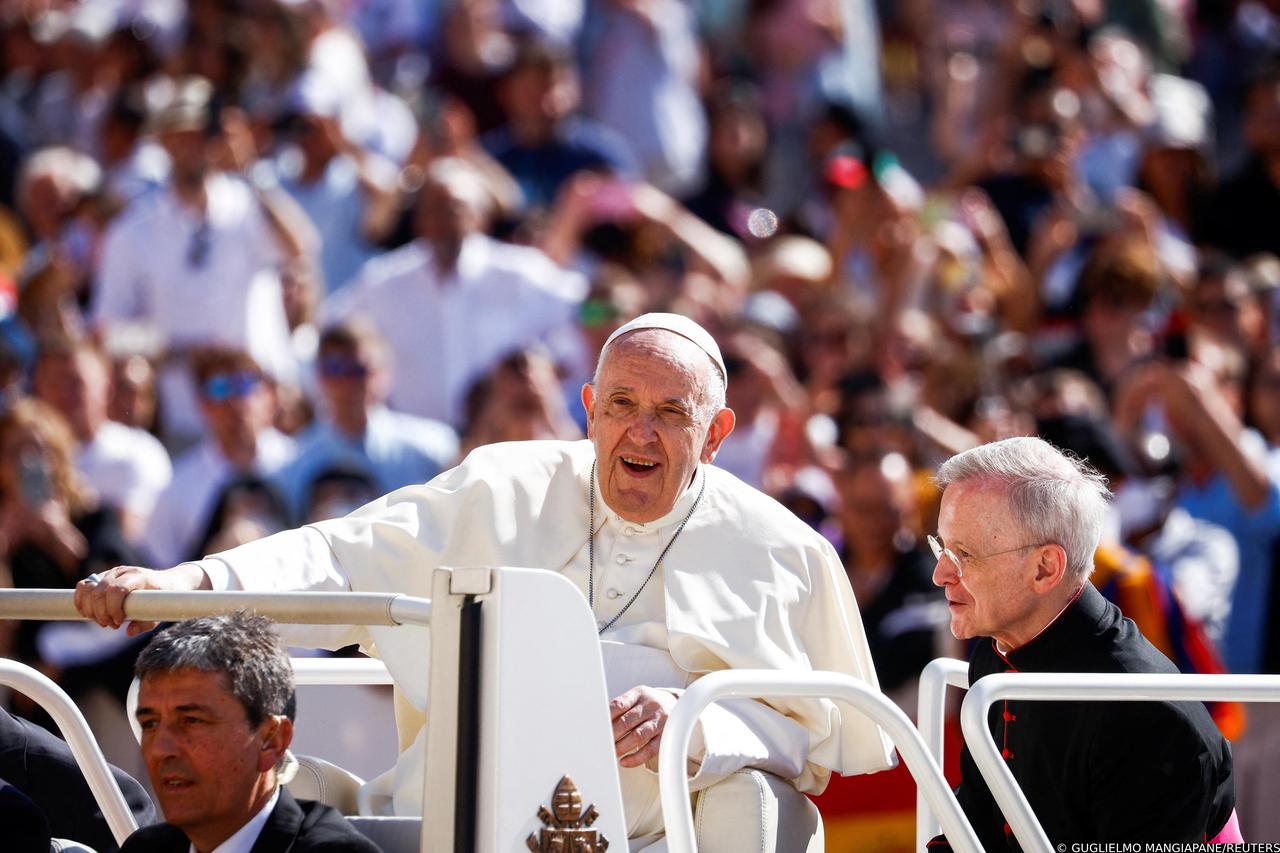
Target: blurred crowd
column 264, row 260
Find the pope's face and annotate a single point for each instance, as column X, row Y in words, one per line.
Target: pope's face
column 647, row 416
column 995, row 596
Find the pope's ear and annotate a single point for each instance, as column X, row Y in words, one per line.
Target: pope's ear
column 589, row 404
column 721, row 425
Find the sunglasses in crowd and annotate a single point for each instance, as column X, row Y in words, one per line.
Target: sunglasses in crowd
column 223, row 387
column 341, row 367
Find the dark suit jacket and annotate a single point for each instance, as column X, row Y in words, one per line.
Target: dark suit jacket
column 26, row 830
column 293, row 827
column 1099, row 771
column 40, row 765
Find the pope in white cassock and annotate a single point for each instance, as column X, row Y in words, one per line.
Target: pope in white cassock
column 687, row 570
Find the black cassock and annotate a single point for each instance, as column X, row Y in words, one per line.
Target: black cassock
column 1099, row 771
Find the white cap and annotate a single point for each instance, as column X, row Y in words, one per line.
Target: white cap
column 682, row 326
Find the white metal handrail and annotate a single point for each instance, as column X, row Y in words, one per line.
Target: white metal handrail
column 305, row 608
column 306, row 671
column 344, row 671
column 1081, row 687
column 75, row 731
column 747, row 683
column 937, row 675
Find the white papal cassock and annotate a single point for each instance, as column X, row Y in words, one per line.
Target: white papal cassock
column 745, row 585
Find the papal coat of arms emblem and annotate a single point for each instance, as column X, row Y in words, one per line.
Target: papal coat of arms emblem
column 567, row 823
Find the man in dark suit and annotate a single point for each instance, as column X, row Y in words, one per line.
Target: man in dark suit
column 41, row 766
column 294, row 826
column 216, row 704
column 1019, row 525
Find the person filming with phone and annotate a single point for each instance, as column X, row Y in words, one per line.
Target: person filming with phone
column 53, row 532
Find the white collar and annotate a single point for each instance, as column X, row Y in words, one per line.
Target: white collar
column 675, row 515
column 246, row 836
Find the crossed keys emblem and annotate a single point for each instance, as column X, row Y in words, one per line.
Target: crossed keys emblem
column 566, row 824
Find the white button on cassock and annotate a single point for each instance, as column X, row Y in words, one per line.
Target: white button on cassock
column 622, row 559
column 612, row 593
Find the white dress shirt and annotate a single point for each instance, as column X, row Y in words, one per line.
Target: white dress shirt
column 247, row 836
column 194, row 281
column 153, row 268
column 445, row 333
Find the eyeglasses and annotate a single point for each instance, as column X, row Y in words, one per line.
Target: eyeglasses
column 341, row 367
column 229, row 386
column 939, row 550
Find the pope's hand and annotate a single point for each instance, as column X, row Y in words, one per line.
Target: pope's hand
column 639, row 716
column 102, row 598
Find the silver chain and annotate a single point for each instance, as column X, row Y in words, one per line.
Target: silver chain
column 591, row 549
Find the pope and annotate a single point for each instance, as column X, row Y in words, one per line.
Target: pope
column 686, row 569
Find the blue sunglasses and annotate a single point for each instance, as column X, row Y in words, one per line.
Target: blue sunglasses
column 341, row 367
column 229, row 386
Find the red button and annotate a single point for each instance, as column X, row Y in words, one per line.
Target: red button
column 1006, row 753
column 1008, row 830
column 1008, row 716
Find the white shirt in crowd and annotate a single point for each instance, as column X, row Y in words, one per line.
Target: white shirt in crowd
column 557, row 21
column 444, row 334
column 199, row 476
column 127, row 467
column 395, row 450
column 746, row 453
column 336, row 205
column 196, row 281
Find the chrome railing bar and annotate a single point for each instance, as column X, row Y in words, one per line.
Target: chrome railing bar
column 339, row 671
column 745, row 683
column 1082, row 687
column 306, row 608
column 76, row 732
column 936, row 676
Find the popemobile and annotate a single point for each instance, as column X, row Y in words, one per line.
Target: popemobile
column 519, row 747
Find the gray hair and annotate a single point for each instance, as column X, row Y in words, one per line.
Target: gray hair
column 243, row 646
column 1055, row 497
column 714, row 388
